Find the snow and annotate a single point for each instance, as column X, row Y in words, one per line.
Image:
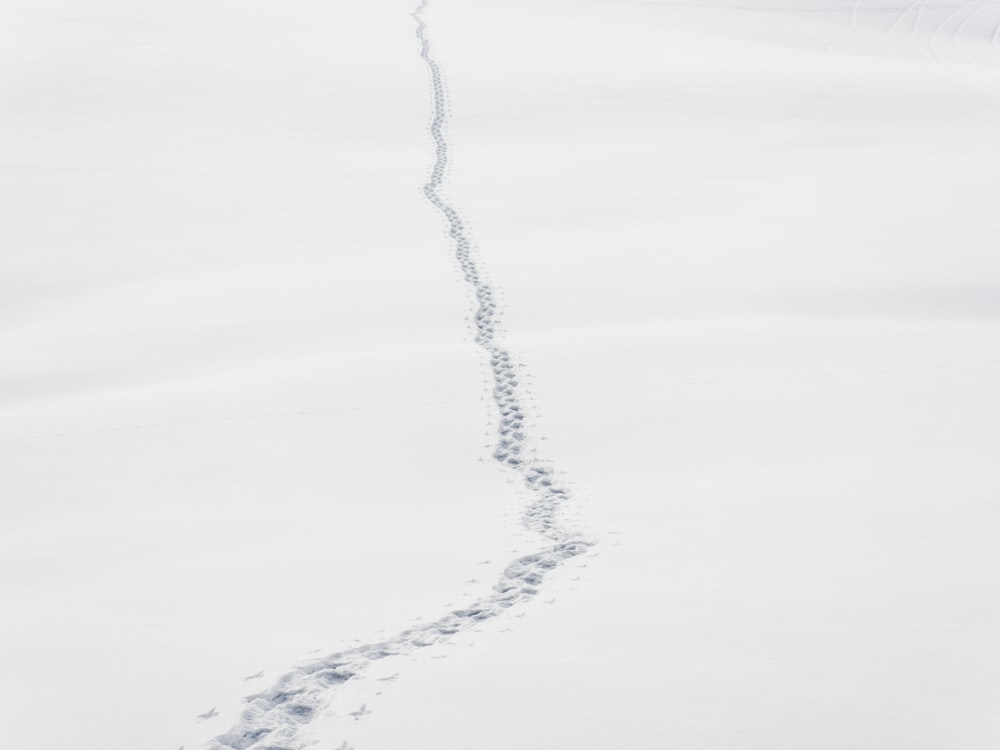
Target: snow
column 744, row 260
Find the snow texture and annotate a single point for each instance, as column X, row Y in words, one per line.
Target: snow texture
column 266, row 425
column 273, row 718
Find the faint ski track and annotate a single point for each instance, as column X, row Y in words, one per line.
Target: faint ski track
column 939, row 27
column 905, row 12
column 272, row 719
column 960, row 29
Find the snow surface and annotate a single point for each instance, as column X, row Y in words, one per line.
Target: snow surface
column 743, row 255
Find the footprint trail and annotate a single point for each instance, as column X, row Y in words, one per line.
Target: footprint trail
column 274, row 719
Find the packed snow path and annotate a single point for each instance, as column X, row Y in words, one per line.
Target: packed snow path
column 273, row 718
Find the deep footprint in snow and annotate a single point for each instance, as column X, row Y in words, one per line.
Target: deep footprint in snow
column 363, row 711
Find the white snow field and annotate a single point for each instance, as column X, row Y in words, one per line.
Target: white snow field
column 555, row 374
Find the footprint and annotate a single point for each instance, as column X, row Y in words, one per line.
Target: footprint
column 363, row 711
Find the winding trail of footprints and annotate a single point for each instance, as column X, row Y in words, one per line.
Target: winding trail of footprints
column 273, row 719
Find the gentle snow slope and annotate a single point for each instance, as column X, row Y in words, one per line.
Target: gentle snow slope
column 757, row 283
column 241, row 409
column 747, row 254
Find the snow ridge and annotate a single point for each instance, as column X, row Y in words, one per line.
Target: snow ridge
column 274, row 718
